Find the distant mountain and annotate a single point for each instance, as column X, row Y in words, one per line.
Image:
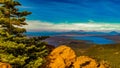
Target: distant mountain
column 45, row 33
column 95, row 32
column 114, row 33
column 42, row 33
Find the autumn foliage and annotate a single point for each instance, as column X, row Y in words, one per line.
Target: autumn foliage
column 5, row 65
column 64, row 57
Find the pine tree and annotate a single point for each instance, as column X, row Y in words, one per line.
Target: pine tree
column 20, row 51
column 11, row 19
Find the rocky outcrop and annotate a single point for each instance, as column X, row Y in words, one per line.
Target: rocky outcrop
column 104, row 64
column 64, row 57
column 61, row 57
column 85, row 62
column 5, row 65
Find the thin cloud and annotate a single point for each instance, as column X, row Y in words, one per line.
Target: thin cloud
column 25, row 7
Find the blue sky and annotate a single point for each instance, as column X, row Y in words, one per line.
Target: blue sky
column 70, row 12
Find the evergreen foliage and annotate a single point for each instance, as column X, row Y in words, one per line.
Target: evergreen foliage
column 15, row 48
column 22, row 55
column 11, row 19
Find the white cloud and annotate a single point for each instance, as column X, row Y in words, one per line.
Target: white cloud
column 90, row 21
column 24, row 7
column 48, row 26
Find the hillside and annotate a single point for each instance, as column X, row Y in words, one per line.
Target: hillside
column 109, row 53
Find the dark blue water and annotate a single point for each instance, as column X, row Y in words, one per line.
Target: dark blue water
column 93, row 39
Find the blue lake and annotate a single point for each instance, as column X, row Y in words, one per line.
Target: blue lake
column 93, row 39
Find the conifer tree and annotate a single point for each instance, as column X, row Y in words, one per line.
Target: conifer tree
column 11, row 19
column 20, row 52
